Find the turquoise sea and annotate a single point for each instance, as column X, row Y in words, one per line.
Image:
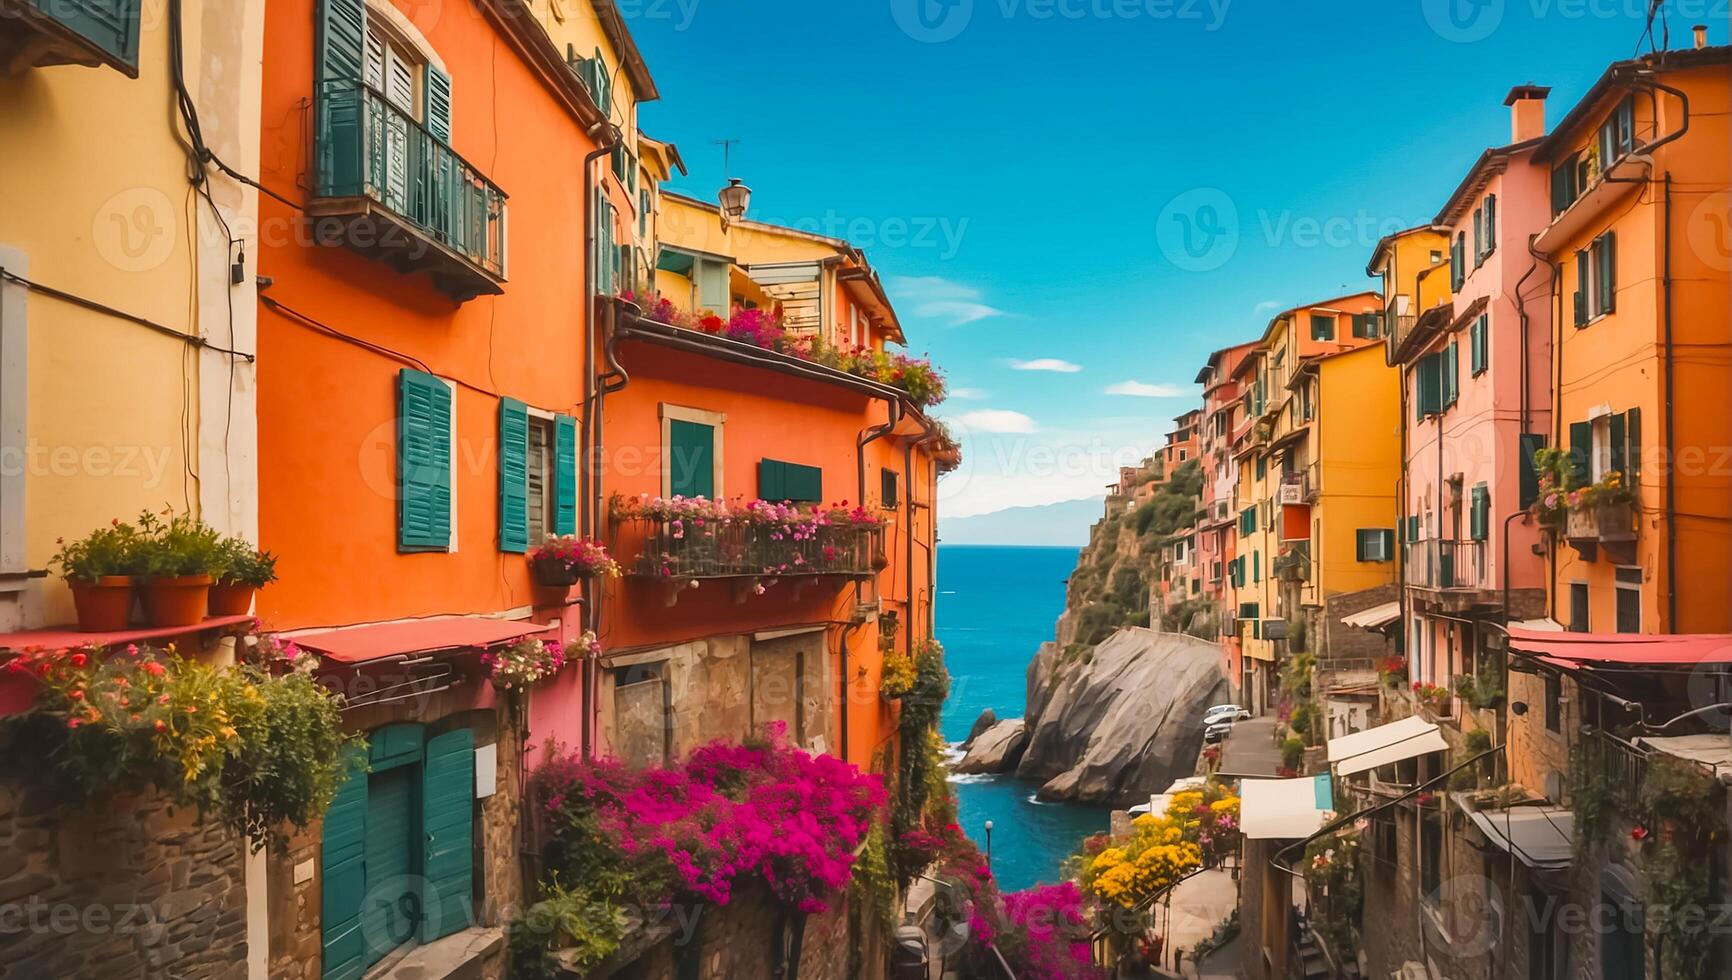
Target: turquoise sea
column 996, row 605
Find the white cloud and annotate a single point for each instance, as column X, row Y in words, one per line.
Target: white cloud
column 935, row 297
column 966, row 394
column 1139, row 389
column 1047, row 364
column 995, row 420
column 1267, row 306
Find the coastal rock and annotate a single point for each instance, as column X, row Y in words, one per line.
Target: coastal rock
column 998, row 749
column 987, row 719
column 1122, row 722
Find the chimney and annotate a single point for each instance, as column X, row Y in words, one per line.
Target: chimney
column 1527, row 112
column 1701, row 32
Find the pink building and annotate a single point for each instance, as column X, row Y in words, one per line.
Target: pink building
column 1476, row 397
column 1213, row 540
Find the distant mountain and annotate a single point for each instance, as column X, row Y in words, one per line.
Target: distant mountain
column 1065, row 524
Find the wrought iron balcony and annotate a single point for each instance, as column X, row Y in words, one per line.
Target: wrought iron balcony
column 1620, row 764
column 1439, row 564
column 1294, row 564
column 752, row 555
column 391, row 190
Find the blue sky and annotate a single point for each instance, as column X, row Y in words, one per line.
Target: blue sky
column 1074, row 201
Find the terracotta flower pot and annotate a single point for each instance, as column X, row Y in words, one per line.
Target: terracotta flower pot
column 179, row 600
column 231, row 599
column 104, row 605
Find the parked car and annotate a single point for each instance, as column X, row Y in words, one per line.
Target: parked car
column 1225, row 712
column 1217, row 732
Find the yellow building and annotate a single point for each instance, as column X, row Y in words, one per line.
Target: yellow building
column 125, row 283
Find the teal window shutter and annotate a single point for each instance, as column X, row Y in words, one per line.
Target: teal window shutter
column 1581, row 297
column 1387, row 537
column 439, row 104
column 1256, row 566
column 1581, row 450
column 772, row 480
column 341, row 59
column 603, row 90
column 1490, row 223
column 1428, row 382
column 513, row 476
column 1616, row 441
column 448, row 820
column 1478, row 236
column 343, row 877
column 1413, row 528
column 1361, row 548
column 1481, row 343
column 564, row 475
column 790, row 482
column 713, row 285
column 1451, row 368
column 111, row 25
column 1632, row 446
column 423, row 462
column 1479, row 519
column 691, row 459
column 1530, row 443
column 1605, row 253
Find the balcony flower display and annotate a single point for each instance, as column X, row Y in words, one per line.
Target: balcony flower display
column 98, row 568
column 175, row 558
column 1437, row 699
column 567, row 560
column 531, row 660
column 923, row 383
column 695, row 537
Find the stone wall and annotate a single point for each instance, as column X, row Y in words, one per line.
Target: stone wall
column 1342, row 642
column 123, row 887
column 739, row 940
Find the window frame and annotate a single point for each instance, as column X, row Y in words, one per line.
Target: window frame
column 1623, row 589
column 717, row 421
column 541, row 422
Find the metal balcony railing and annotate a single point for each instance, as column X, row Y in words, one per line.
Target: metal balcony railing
column 1438, row 564
column 369, row 148
column 744, row 550
column 1621, row 764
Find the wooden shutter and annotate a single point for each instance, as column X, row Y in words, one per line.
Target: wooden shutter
column 1256, row 566
column 447, row 823
column 1582, row 450
column 1361, row 545
column 423, row 462
column 1478, row 343
column 564, row 474
column 513, row 476
column 343, row 877
column 1451, row 368
column 1529, row 444
column 1478, row 236
column 1490, row 223
column 603, row 85
column 691, row 459
column 791, row 482
column 1428, row 384
column 342, row 40
column 1456, row 263
column 1413, row 528
column 1479, row 519
column 1387, row 537
column 1581, row 298
column 111, row 25
column 1632, row 446
column 388, row 916
column 439, row 104
column 1605, row 255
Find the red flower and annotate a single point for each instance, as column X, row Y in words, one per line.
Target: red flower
column 1638, row 832
column 78, row 659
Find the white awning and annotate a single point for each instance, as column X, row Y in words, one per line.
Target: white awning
column 1375, row 617
column 1285, row 809
column 1539, row 836
column 1158, row 802
column 1405, row 739
column 1713, row 751
column 1538, row 625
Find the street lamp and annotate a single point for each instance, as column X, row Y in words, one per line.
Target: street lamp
column 735, row 198
column 989, row 843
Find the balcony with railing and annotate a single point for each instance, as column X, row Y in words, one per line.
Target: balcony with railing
column 1294, row 564
column 749, row 554
column 1621, row 765
column 1456, row 571
column 391, row 189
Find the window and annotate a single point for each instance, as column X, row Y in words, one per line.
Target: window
column 1262, row 470
column 691, row 452
column 425, row 501
column 1428, row 386
column 1565, row 188
column 539, row 480
column 1322, row 326
column 1529, row 444
column 1629, row 589
column 1596, row 279
column 1458, row 261
column 1430, row 856
column 1579, row 607
column 1478, row 237
column 1450, row 366
column 1248, row 521
column 888, row 488
column 400, row 828
column 1554, row 695
column 1479, row 515
column 1618, row 133
column 1366, row 326
column 643, row 714
column 1436, row 256
column 1479, row 336
column 1374, row 544
column 1610, row 442
column 1488, row 236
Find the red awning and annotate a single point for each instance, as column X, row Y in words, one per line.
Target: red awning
column 1574, row 650
column 377, row 641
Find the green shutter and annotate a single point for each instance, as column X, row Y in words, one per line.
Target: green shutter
column 513, row 476
column 1451, row 367
column 423, row 462
column 1562, row 195
column 439, row 104
column 1490, row 223
column 1480, row 343
column 1361, row 546
column 772, row 480
column 447, row 823
column 1413, row 528
column 1605, row 251
column 1387, row 536
column 342, row 38
column 603, row 85
column 343, row 877
column 1581, row 297
column 111, row 25
column 1478, row 236
column 395, row 745
column 1256, row 566
column 691, row 459
column 1480, row 517
column 1428, row 382
column 790, row 482
column 1582, row 450
column 564, row 474
column 1632, row 446
column 1529, row 444
column 712, row 275
column 1616, row 440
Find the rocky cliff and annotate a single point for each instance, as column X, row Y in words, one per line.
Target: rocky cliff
column 1121, row 721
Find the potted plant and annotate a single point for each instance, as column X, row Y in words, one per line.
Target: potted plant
column 241, row 570
column 174, row 561
column 564, row 561
column 98, row 568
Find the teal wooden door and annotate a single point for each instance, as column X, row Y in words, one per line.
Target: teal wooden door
column 448, row 850
column 391, row 915
column 343, row 883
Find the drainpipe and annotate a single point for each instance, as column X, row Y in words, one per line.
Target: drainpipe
column 930, row 434
column 607, row 136
column 1671, row 477
column 1557, row 405
column 871, row 435
column 1506, row 588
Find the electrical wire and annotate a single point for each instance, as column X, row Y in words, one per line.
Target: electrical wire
column 96, row 306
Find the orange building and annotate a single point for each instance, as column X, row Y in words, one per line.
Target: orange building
column 1643, row 345
column 421, row 385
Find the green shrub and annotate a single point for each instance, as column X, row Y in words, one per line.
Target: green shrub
column 1292, row 754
